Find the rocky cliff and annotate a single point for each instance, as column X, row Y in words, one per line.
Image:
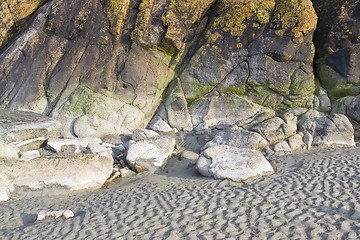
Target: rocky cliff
column 103, row 66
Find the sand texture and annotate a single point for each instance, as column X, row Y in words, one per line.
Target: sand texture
column 311, row 195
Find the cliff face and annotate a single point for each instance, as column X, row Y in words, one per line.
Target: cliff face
column 102, row 66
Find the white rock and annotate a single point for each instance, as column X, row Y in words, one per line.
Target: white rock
column 29, row 155
column 282, row 146
column 6, row 187
column 55, row 214
column 159, row 125
column 55, row 144
column 141, row 134
column 237, row 164
column 150, row 154
column 66, row 172
column 96, row 148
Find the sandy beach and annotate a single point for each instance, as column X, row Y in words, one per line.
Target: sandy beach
column 312, row 195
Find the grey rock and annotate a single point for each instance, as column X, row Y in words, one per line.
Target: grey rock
column 157, row 124
column 141, row 134
column 277, row 129
column 225, row 110
column 176, row 106
column 19, row 126
column 334, row 129
column 237, row 137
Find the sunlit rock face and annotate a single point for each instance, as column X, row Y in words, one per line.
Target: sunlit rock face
column 102, row 67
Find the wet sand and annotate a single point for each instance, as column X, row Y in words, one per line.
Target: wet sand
column 312, row 195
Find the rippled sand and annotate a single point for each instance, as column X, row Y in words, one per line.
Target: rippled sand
column 312, row 195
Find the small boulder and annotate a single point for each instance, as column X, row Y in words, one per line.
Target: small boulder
column 150, row 154
column 236, row 164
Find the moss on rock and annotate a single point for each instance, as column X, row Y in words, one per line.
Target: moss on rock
column 116, row 13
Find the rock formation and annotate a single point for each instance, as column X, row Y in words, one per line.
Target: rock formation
column 206, row 73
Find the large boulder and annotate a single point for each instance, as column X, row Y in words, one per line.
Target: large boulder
column 337, row 42
column 237, row 164
column 150, row 154
column 334, row 129
column 64, row 172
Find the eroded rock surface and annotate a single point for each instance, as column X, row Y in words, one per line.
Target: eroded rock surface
column 237, row 164
column 65, row 172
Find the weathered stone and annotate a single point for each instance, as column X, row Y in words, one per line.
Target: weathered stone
column 18, row 126
column 176, row 106
column 142, row 134
column 126, row 172
column 237, row 137
column 13, row 15
column 150, row 154
column 8, row 151
column 311, row 114
column 71, row 68
column 282, row 147
column 157, row 124
column 29, row 155
column 334, row 129
column 277, row 129
column 237, row 164
column 337, row 43
column 295, row 141
column 95, row 148
column 350, row 106
column 31, row 144
column 55, row 214
column 189, row 156
column 224, row 110
column 64, row 172
column 57, row 144
column 260, row 49
column 6, row 188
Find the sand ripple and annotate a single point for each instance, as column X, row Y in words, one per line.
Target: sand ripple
column 312, row 195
